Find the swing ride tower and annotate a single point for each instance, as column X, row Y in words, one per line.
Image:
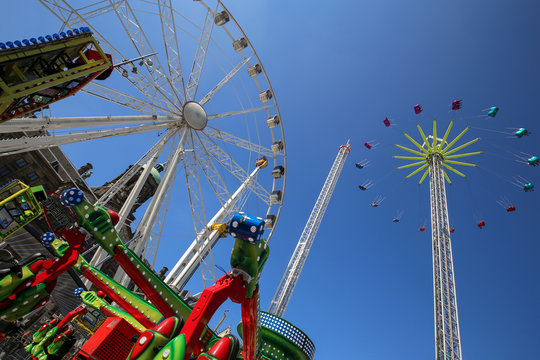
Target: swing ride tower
column 292, row 273
column 434, row 158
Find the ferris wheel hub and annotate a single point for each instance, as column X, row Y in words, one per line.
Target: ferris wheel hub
column 194, row 115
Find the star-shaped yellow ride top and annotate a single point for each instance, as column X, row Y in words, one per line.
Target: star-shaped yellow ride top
column 437, row 148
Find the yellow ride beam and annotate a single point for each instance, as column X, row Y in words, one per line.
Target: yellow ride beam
column 463, row 155
column 461, row 147
column 411, row 165
column 446, row 177
column 460, row 163
column 409, row 157
column 423, row 176
column 435, row 146
column 423, row 137
column 446, row 134
column 454, row 170
column 417, row 170
column 409, row 150
column 456, row 139
column 415, row 143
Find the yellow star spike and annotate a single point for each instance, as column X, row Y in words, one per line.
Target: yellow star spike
column 417, row 170
column 413, row 164
column 438, row 147
column 409, row 150
column 456, row 139
column 446, row 134
column 461, row 147
column 423, row 176
column 423, row 137
column 415, row 143
column 463, row 155
column 454, row 170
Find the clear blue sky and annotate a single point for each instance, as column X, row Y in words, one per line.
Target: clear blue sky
column 338, row 69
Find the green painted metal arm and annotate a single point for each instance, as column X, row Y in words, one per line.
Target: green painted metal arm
column 460, row 163
column 463, row 155
column 135, row 301
column 454, row 170
column 461, row 147
column 446, row 134
column 423, row 176
column 91, row 299
column 409, row 157
column 456, row 139
column 446, row 177
column 412, row 164
column 417, row 170
column 424, row 137
column 409, row 150
column 435, row 146
column 415, row 143
column 96, row 220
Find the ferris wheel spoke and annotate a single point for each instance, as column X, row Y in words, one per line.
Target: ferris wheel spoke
column 224, row 81
column 208, row 236
column 236, row 170
column 147, row 162
column 210, row 171
column 242, row 143
column 47, row 123
column 200, row 55
column 133, row 29
column 72, row 18
column 14, row 146
column 239, row 112
column 123, row 99
column 87, row 12
column 172, row 51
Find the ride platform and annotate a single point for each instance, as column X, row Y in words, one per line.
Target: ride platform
column 48, row 69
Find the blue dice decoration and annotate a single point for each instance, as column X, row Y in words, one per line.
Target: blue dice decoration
column 72, row 197
column 246, row 227
column 47, row 238
column 78, row 292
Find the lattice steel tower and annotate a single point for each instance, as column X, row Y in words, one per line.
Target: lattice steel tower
column 288, row 282
column 436, row 157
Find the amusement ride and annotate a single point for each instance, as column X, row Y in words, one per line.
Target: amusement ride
column 214, row 114
column 438, row 158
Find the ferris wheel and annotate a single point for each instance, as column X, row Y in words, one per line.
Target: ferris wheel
column 187, row 77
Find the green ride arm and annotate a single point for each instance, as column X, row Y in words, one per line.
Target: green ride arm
column 91, row 299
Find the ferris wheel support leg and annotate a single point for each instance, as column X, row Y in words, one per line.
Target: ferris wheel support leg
column 130, row 201
column 128, row 205
column 205, row 240
column 147, row 223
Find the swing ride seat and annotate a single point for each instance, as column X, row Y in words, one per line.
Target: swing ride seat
column 493, row 111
